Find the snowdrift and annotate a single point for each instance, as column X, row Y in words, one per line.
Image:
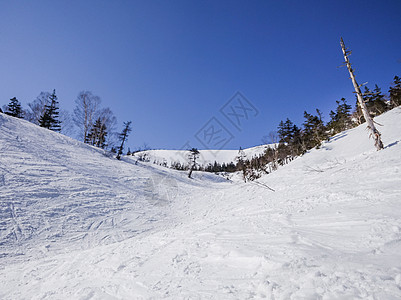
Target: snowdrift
column 77, row 224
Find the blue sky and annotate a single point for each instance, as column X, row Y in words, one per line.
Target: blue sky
column 170, row 66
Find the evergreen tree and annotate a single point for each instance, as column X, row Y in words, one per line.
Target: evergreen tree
column 285, row 131
column 49, row 119
column 378, row 103
column 14, row 108
column 193, row 156
column 314, row 130
column 395, row 92
column 290, row 138
column 340, row 120
column 297, row 145
column 123, row 136
column 97, row 134
column 375, row 103
column 230, row 167
column 216, row 167
column 241, row 163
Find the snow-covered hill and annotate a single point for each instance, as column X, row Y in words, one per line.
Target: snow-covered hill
column 77, row 224
column 206, row 157
column 58, row 193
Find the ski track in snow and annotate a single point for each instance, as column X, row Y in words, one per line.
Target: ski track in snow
column 76, row 224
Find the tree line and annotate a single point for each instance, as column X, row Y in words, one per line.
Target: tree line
column 290, row 141
column 92, row 124
column 96, row 126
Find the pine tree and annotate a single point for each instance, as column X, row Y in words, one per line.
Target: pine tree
column 285, row 131
column 193, row 156
column 123, row 136
column 241, row 163
column 216, row 167
column 395, row 92
column 49, row 119
column 375, row 102
column 97, row 134
column 379, row 103
column 340, row 120
column 297, row 144
column 314, row 130
column 290, row 138
column 14, row 108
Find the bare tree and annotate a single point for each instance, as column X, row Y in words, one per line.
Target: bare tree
column 38, row 107
column 371, row 126
column 85, row 111
column 67, row 127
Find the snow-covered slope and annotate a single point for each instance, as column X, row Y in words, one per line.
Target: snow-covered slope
column 168, row 157
column 76, row 224
column 58, row 193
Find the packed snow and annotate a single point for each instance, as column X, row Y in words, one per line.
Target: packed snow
column 78, row 224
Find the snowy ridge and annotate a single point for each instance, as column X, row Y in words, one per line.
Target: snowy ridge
column 168, row 157
column 79, row 225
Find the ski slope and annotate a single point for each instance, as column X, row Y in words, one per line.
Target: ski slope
column 77, row 224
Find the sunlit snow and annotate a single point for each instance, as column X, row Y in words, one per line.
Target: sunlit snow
column 78, row 224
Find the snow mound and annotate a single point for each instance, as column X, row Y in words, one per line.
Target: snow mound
column 78, row 224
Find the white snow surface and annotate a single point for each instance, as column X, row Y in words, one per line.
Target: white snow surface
column 167, row 157
column 78, row 224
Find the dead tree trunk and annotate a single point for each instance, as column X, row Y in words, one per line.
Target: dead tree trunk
column 371, row 126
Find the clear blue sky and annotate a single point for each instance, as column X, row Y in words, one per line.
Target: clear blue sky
column 170, row 66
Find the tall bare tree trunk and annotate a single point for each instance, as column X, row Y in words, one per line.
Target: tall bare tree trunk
column 371, row 126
